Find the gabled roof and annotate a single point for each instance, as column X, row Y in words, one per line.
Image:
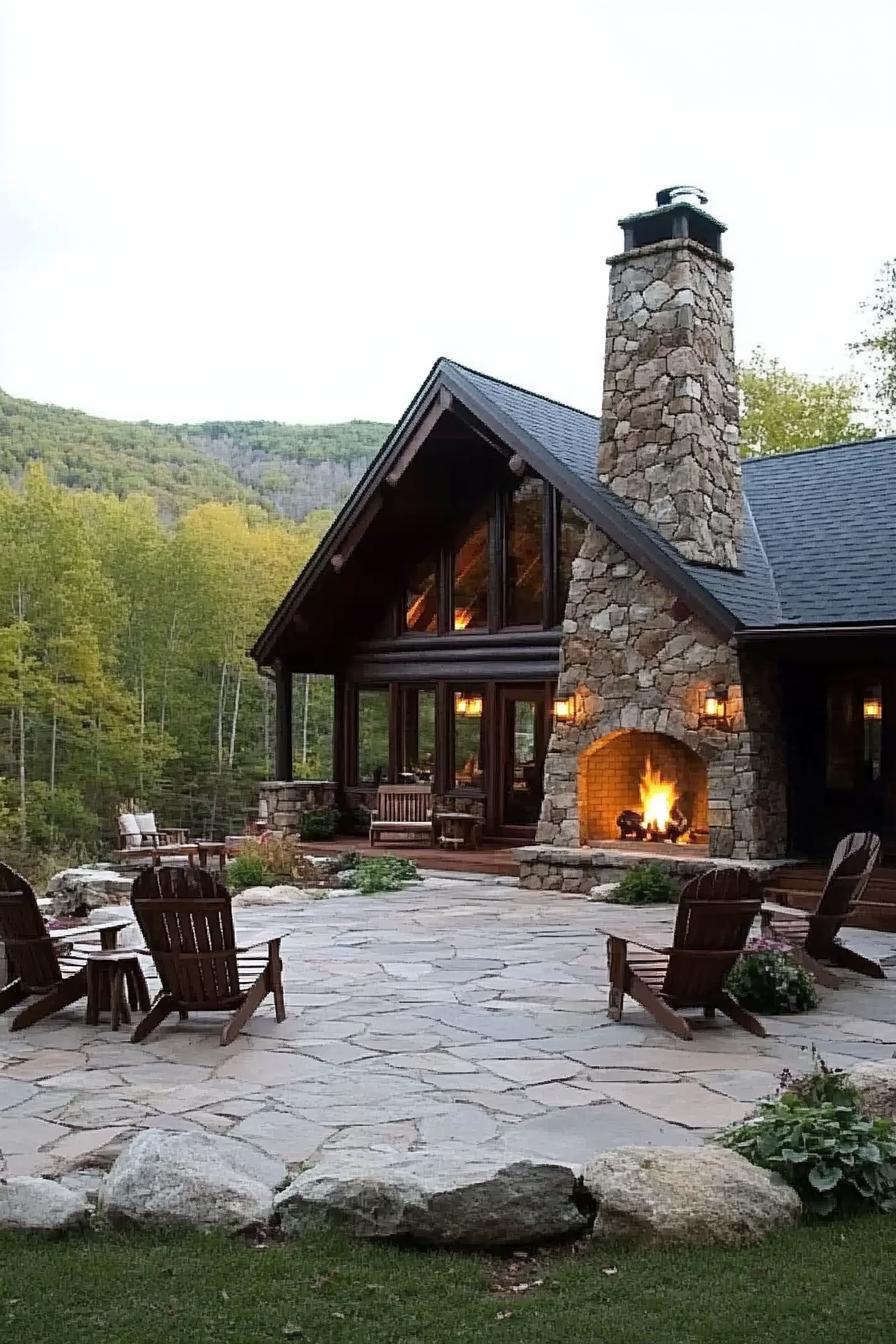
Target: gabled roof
column 819, row 526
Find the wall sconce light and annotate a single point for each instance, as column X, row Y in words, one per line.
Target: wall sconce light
column 564, row 708
column 715, row 707
column 871, row 706
column 468, row 706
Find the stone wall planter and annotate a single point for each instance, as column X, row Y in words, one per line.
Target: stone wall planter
column 435, row 1198
column 686, row 1197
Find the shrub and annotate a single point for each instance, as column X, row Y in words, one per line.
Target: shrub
column 648, row 885
column 319, row 823
column 768, row 980
column 835, row 1158
column 247, row 870
column 384, row 874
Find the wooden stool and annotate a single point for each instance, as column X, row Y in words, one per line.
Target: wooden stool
column 109, row 975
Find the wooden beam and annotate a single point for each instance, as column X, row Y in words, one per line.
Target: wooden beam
column 442, row 403
column 338, row 560
column 283, row 722
column 517, row 465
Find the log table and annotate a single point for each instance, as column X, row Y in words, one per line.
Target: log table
column 458, row 830
column 115, row 982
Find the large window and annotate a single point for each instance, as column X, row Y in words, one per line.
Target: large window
column 572, row 534
column 525, row 554
column 470, row 597
column 373, row 735
column 469, row 723
column 421, row 608
column 418, row 735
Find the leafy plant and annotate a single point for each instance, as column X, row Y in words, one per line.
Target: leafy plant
column 835, row 1158
column 768, row 980
column 383, row 874
column 319, row 823
column 822, row 1084
column 647, row 885
column 247, row 870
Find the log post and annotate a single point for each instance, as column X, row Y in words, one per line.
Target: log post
column 283, row 767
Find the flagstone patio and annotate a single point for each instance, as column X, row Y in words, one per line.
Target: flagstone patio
column 459, row 1010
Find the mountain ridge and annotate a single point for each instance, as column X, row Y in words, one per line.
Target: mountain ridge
column 288, row 470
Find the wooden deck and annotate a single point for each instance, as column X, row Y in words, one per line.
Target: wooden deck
column 495, row 859
column 876, row 910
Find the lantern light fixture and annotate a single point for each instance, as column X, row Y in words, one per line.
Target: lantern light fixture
column 468, row 706
column 564, row 708
column 715, row 707
column 871, row 706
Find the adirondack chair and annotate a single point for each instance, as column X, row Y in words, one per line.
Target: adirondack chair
column 713, row 921
column 186, row 919
column 402, row 809
column 50, row 964
column 812, row 934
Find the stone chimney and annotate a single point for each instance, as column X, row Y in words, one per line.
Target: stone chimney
column 669, row 434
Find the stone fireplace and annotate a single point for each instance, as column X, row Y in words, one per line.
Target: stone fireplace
column 638, row 661
column 616, row 773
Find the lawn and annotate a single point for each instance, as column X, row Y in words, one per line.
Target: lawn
column 832, row 1282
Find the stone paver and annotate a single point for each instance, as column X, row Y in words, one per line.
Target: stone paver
column 461, row 1009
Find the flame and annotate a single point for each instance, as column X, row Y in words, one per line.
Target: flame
column 462, row 617
column 658, row 798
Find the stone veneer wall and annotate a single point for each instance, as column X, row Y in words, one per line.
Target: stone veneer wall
column 287, row 800
column 639, row 660
column 669, row 432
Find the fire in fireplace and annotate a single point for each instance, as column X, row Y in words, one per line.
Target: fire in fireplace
column 659, row 817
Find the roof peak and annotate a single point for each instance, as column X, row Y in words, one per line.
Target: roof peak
column 516, row 387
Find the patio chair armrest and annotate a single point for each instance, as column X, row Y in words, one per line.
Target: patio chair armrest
column 81, row 930
column 246, row 942
column 374, row 816
column 772, row 908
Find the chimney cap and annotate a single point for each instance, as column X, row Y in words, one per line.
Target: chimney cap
column 681, row 195
column 678, row 214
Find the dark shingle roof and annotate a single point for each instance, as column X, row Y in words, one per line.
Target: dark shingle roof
column 819, row 528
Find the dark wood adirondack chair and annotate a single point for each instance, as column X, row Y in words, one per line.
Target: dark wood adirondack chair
column 47, row 964
column 812, row 934
column 186, row 919
column 715, row 914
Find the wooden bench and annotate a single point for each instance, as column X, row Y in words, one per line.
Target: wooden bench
column 402, row 809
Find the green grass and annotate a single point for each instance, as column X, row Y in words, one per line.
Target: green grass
column 832, row 1282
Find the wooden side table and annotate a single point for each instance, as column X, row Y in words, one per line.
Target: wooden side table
column 458, row 830
column 115, row 983
column 209, row 849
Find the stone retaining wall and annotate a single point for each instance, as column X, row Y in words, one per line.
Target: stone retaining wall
column 288, row 800
column 576, row 871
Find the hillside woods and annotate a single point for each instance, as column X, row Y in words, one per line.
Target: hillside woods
column 139, row 563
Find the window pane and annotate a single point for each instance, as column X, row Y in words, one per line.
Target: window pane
column 572, row 534
column 468, row 725
column 525, row 511
column 373, row 736
column 471, row 579
column 422, row 600
column 419, row 721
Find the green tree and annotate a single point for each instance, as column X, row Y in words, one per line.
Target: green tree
column 879, row 341
column 782, row 412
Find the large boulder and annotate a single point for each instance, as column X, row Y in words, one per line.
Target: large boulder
column 76, row 891
column 706, row 1196
column 282, row 894
column 190, row 1179
column 435, row 1198
column 875, row 1083
column 33, row 1204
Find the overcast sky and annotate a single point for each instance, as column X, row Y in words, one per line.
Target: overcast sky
column 287, row 209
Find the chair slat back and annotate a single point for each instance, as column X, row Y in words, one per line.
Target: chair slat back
column 715, row 915
column 186, row 918
column 403, row 802
column 30, row 951
column 851, row 867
